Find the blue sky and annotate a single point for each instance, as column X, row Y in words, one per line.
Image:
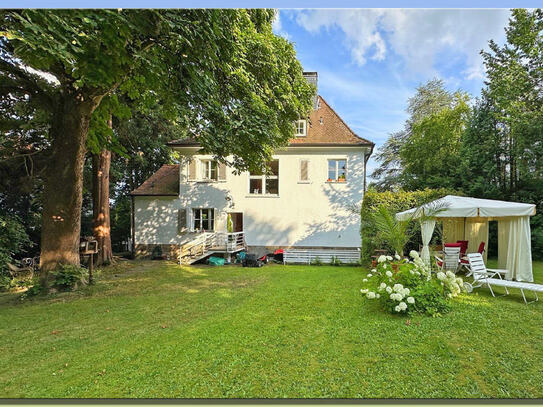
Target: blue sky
column 370, row 61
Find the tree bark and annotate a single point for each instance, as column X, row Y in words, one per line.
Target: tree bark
column 62, row 195
column 100, row 204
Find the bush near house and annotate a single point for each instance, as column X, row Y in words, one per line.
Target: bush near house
column 396, row 201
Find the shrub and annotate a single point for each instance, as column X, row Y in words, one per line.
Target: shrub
column 335, row 261
column 13, row 238
column 405, row 287
column 67, row 277
column 394, row 202
column 316, row 261
column 34, row 288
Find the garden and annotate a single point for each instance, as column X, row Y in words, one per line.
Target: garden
column 155, row 329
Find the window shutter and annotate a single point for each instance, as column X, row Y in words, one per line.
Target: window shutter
column 192, row 170
column 222, row 171
column 304, row 170
column 181, row 221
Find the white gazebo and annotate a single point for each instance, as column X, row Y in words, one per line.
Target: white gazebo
column 467, row 219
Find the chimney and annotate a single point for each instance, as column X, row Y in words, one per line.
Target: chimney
column 312, row 78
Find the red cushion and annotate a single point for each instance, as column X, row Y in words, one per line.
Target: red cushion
column 464, row 261
column 464, row 245
column 453, row 245
column 439, row 263
column 481, row 248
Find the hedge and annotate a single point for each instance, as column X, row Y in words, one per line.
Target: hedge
column 395, row 201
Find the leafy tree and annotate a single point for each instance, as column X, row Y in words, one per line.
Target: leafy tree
column 429, row 99
column 431, row 154
column 230, row 82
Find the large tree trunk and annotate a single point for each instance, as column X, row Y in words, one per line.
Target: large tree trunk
column 100, row 204
column 62, row 195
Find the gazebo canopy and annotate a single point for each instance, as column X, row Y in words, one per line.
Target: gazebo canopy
column 452, row 206
column 467, row 219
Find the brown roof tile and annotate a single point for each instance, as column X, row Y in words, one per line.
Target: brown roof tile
column 164, row 182
column 332, row 131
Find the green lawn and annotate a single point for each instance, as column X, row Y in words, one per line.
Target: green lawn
column 150, row 329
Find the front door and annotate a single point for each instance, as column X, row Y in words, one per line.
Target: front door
column 237, row 221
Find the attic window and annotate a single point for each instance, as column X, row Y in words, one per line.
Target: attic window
column 301, row 128
column 321, row 120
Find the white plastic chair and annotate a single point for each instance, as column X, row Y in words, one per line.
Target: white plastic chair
column 483, row 276
column 451, row 259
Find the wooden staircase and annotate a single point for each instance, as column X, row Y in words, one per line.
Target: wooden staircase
column 207, row 243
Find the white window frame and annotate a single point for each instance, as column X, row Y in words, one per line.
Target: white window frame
column 337, row 160
column 297, row 128
column 196, row 218
column 206, row 170
column 300, row 180
column 264, row 177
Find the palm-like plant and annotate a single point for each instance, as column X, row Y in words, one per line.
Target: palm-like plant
column 395, row 233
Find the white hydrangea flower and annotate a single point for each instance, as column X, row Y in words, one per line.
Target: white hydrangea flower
column 459, row 281
column 389, row 290
column 365, row 280
column 370, row 295
column 377, row 295
column 389, row 258
column 410, row 300
column 369, row 275
column 397, row 308
column 374, row 270
column 449, row 295
column 388, row 273
column 397, row 256
column 450, row 274
column 441, row 276
column 383, row 286
column 382, row 258
column 406, row 292
column 397, row 287
column 402, row 305
column 413, row 254
column 364, row 290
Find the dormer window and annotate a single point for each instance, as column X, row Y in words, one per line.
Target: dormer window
column 301, row 128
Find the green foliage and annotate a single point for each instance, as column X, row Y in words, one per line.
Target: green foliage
column 335, row 261
column 430, row 154
column 408, row 287
column 13, row 239
column 229, row 224
column 34, row 289
column 68, row 277
column 393, row 202
column 316, row 261
column 429, row 100
column 390, row 231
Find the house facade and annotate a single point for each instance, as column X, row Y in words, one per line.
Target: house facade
column 310, row 197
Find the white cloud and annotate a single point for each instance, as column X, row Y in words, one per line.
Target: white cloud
column 416, row 35
column 277, row 27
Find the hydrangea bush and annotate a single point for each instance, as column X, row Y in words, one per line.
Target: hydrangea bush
column 404, row 286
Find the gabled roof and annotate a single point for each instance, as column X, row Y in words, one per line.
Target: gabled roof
column 324, row 128
column 164, row 182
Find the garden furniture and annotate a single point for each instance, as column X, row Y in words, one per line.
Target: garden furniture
column 483, row 276
column 451, row 257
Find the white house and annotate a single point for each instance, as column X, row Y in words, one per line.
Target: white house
column 310, row 199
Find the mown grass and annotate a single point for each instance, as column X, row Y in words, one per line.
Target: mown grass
column 152, row 329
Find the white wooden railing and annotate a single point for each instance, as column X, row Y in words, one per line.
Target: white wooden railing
column 306, row 256
column 210, row 242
